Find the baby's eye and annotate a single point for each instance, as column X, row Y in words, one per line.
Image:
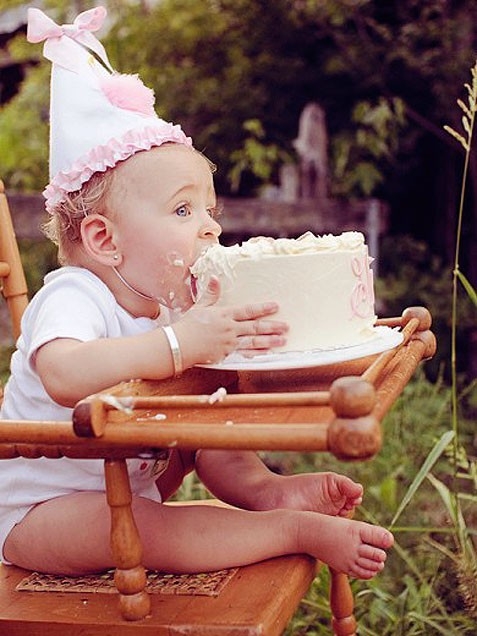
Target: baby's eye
column 183, row 210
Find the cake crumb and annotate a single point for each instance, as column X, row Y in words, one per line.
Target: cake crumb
column 158, row 417
column 218, row 396
column 123, row 404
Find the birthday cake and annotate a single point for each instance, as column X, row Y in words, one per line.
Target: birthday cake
column 323, row 285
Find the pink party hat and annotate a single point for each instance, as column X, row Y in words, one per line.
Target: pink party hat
column 98, row 117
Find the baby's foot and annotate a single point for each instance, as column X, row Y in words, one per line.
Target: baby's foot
column 353, row 547
column 339, row 494
column 328, row 493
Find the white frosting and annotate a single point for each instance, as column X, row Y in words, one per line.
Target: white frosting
column 323, row 284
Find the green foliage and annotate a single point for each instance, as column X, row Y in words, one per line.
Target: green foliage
column 409, row 275
column 468, row 287
column 359, row 154
column 468, row 121
column 10, row 4
column 24, row 138
column 24, row 119
column 424, row 471
column 38, row 258
column 255, row 156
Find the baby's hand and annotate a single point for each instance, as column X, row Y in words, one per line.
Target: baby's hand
column 207, row 333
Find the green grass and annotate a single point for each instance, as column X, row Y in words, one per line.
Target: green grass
column 428, row 586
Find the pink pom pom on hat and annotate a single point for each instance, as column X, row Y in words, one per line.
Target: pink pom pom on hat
column 97, row 117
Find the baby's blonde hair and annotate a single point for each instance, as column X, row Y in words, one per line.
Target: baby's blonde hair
column 64, row 225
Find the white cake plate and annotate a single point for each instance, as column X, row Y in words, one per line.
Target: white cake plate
column 383, row 339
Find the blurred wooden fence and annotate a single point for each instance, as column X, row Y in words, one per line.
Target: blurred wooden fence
column 242, row 218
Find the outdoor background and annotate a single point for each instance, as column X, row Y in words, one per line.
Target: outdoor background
column 388, row 74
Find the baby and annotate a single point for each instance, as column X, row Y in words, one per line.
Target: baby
column 132, row 206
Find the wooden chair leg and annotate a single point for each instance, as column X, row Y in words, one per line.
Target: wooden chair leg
column 342, row 604
column 130, row 576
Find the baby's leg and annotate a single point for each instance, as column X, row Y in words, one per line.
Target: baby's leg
column 208, row 537
column 181, row 463
column 70, row 535
column 65, row 535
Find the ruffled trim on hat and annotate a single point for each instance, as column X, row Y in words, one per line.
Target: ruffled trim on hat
column 100, row 158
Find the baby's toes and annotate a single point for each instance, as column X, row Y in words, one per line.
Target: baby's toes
column 371, row 555
column 347, row 509
column 364, row 569
column 376, row 536
column 350, row 489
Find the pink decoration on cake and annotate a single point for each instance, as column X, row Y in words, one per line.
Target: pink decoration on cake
column 128, row 92
column 362, row 298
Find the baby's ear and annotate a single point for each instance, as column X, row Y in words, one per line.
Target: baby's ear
column 97, row 234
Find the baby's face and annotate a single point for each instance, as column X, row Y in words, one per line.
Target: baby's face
column 163, row 202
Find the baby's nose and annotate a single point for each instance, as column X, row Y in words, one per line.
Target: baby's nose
column 211, row 228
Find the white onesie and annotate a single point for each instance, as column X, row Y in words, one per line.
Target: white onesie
column 73, row 303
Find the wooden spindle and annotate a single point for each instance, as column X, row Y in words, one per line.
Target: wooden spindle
column 342, row 604
column 130, row 575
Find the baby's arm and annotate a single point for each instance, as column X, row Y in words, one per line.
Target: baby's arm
column 243, row 480
column 71, row 369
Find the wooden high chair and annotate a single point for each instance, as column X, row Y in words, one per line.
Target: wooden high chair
column 12, row 279
column 337, row 408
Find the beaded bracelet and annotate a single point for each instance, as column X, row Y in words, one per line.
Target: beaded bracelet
column 175, row 349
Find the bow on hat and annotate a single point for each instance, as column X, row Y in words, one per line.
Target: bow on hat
column 61, row 41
